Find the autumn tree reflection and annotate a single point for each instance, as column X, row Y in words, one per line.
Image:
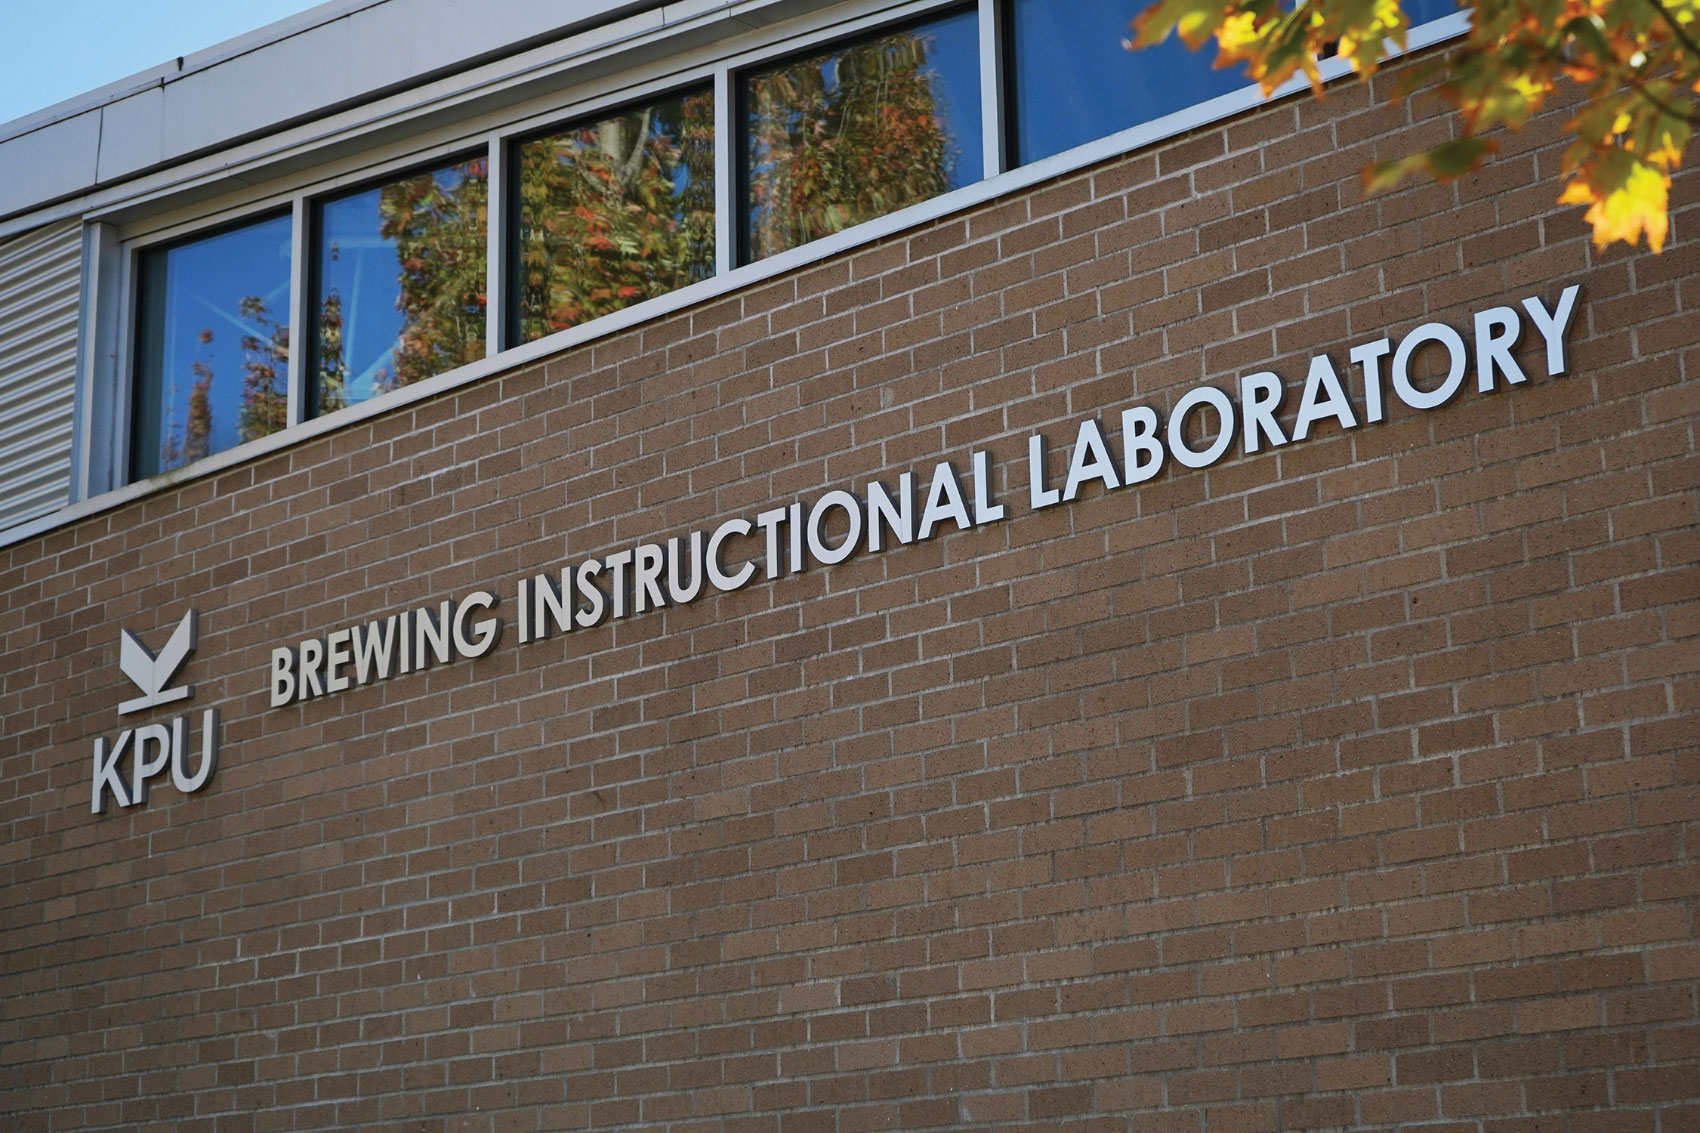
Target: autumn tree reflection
column 437, row 225
column 836, row 139
column 262, row 405
column 401, row 283
column 613, row 212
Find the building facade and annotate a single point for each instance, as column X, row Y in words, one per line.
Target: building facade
column 796, row 575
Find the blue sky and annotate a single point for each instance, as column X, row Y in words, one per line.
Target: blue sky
column 55, row 49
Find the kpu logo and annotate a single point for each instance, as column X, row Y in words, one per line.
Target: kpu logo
column 153, row 747
column 149, row 672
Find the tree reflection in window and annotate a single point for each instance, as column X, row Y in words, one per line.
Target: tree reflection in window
column 212, row 345
column 613, row 211
column 841, row 137
column 399, row 288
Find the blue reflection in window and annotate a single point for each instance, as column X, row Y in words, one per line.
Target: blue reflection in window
column 212, row 345
column 1420, row 12
column 399, row 283
column 1074, row 81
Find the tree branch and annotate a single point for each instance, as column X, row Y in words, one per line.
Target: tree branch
column 1635, row 84
column 1677, row 29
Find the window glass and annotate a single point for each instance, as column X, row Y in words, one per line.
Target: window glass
column 1420, row 12
column 852, row 133
column 613, row 211
column 1074, row 81
column 399, row 283
column 212, row 345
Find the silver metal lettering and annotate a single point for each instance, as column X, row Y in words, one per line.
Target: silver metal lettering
column 1261, row 395
column 615, row 565
column 595, row 603
column 337, row 654
column 1313, row 407
column 944, row 501
column 1192, row 399
column 1457, row 359
column 1039, row 496
column 1090, row 460
column 553, row 602
column 143, row 767
column 283, row 676
column 311, row 653
column 896, row 515
column 180, row 777
column 648, row 560
column 431, row 632
column 373, row 650
column 485, row 633
column 681, row 591
column 1553, row 325
column 106, row 775
column 717, row 573
column 1493, row 351
column 852, row 509
column 1140, row 426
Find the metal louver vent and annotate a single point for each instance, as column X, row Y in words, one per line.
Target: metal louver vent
column 39, row 274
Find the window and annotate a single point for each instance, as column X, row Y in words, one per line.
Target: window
column 212, row 345
column 399, row 282
column 839, row 137
column 1074, row 81
column 612, row 211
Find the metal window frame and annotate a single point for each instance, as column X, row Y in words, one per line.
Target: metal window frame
column 299, row 281
column 97, row 416
column 121, row 391
column 496, row 226
column 994, row 79
column 112, row 317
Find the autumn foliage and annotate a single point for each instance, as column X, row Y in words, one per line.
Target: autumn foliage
column 437, row 225
column 262, row 405
column 614, row 211
column 430, row 230
column 839, row 139
column 1636, row 61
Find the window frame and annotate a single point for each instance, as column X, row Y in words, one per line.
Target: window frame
column 1182, row 119
column 133, row 295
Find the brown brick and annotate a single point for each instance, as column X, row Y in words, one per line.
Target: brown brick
column 1346, row 785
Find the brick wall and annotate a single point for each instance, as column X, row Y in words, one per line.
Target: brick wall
column 1351, row 784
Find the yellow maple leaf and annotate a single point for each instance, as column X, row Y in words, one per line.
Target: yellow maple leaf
column 1638, row 205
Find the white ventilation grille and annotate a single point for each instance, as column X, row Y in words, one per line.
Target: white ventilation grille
column 38, row 368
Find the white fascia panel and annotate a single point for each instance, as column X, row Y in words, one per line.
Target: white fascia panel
column 132, row 134
column 326, row 131
column 50, row 162
column 351, row 59
column 255, row 93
